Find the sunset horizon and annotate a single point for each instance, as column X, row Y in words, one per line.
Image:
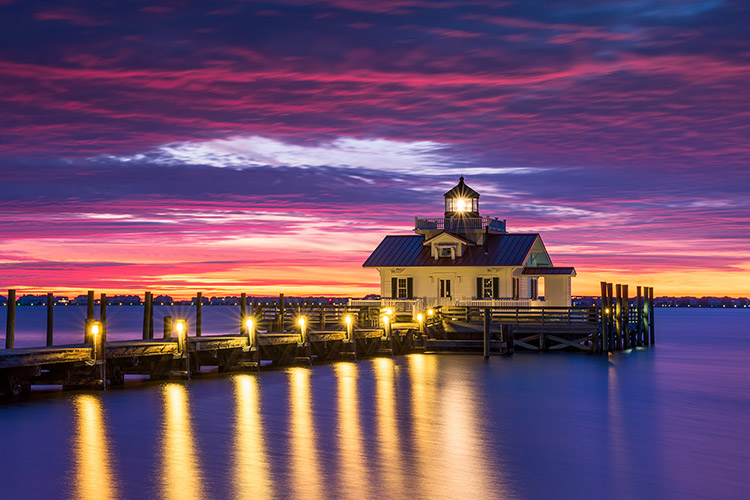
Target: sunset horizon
column 169, row 149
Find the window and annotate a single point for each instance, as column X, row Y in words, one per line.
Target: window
column 487, row 289
column 445, row 251
column 403, row 291
column 516, row 288
column 534, row 285
column 402, row 288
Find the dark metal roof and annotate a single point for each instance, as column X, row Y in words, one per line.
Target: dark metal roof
column 539, row 271
column 408, row 251
column 461, row 190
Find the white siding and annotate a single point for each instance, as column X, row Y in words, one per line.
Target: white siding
column 463, row 280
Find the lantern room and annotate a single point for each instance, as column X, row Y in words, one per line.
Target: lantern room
column 461, row 201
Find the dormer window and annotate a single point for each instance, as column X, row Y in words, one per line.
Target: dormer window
column 447, row 246
column 446, row 251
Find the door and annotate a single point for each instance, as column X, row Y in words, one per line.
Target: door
column 444, row 291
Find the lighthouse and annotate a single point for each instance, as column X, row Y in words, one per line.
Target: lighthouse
column 465, row 259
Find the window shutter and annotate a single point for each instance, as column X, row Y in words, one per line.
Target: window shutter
column 409, row 288
column 495, row 288
column 394, row 288
column 479, row 288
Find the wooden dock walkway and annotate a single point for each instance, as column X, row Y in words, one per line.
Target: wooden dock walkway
column 278, row 335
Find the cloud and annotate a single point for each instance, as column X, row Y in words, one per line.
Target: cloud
column 384, row 155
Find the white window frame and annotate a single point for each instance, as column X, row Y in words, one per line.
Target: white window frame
column 402, row 288
column 488, row 291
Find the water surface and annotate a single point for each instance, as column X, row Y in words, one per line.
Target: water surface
column 672, row 421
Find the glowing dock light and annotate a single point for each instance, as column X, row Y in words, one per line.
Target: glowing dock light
column 250, row 324
column 348, row 321
column 420, row 320
column 430, row 312
column 180, row 326
column 389, row 311
column 95, row 329
column 301, row 322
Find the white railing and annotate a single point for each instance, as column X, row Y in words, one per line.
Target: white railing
column 501, row 303
column 459, row 223
column 412, row 306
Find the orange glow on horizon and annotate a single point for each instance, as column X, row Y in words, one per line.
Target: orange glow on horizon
column 697, row 282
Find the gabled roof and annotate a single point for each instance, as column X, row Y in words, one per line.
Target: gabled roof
column 543, row 271
column 409, row 251
column 461, row 190
column 451, row 236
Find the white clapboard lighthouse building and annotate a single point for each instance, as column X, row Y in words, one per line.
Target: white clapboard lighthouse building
column 464, row 259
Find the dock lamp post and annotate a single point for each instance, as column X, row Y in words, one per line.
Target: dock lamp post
column 386, row 324
column 348, row 321
column 301, row 322
column 250, row 325
column 95, row 331
column 420, row 320
column 180, row 326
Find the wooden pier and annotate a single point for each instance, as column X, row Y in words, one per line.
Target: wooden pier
column 281, row 334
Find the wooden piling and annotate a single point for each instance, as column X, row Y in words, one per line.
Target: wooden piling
column 145, row 315
column 103, row 315
column 644, row 318
column 603, row 314
column 322, row 317
column 542, row 345
column 90, row 305
column 610, row 317
column 280, row 314
column 198, row 314
column 626, row 317
column 508, row 338
column 50, row 318
column 651, row 314
column 618, row 317
column 243, row 313
column 167, row 328
column 10, row 322
column 150, row 315
column 639, row 318
column 487, row 322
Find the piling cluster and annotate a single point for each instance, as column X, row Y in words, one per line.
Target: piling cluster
column 623, row 326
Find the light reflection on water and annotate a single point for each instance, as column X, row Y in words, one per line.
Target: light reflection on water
column 252, row 478
column 306, row 471
column 352, row 460
column 93, row 476
column 180, row 470
column 391, row 463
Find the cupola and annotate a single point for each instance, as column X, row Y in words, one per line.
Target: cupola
column 461, row 201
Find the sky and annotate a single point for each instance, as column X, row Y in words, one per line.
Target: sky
column 268, row 147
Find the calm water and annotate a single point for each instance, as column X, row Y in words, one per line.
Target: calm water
column 667, row 422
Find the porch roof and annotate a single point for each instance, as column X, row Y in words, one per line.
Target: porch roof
column 545, row 271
